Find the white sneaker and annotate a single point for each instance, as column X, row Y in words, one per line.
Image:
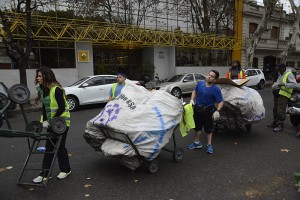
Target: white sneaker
column 39, row 179
column 63, row 175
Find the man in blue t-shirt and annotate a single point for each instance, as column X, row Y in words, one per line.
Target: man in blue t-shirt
column 117, row 87
column 206, row 94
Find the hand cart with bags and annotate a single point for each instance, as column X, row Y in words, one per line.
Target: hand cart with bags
column 34, row 131
column 243, row 106
column 230, row 121
column 138, row 159
column 136, row 128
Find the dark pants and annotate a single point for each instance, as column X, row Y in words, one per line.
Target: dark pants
column 203, row 119
column 279, row 109
column 62, row 154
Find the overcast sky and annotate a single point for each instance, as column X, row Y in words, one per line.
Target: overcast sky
column 286, row 4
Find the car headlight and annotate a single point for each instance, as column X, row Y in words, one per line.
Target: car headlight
column 294, row 98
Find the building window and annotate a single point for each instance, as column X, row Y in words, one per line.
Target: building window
column 290, row 64
column 201, row 57
column 252, row 28
column 274, row 32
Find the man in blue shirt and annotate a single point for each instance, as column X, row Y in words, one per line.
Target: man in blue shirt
column 117, row 87
column 206, row 94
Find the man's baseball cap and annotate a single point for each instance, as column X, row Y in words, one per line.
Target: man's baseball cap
column 281, row 65
column 121, row 74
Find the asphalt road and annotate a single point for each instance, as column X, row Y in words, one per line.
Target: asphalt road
column 257, row 165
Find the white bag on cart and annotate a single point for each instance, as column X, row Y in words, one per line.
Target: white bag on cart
column 246, row 101
column 147, row 117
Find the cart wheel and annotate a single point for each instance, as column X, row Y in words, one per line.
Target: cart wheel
column 3, row 100
column 19, row 93
column 58, row 125
column 215, row 130
column 238, row 132
column 178, row 154
column 35, row 126
column 153, row 166
column 248, row 127
column 1, row 121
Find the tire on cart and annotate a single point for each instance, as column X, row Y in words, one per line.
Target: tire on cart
column 153, row 166
column 58, row 125
column 19, row 94
column 238, row 131
column 1, row 121
column 3, row 100
column 248, row 127
column 34, row 126
column 178, row 154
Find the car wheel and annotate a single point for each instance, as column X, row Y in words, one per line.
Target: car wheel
column 261, row 84
column 176, row 92
column 73, row 103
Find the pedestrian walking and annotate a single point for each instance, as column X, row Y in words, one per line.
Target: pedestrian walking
column 282, row 90
column 117, row 87
column 235, row 71
column 206, row 94
column 53, row 99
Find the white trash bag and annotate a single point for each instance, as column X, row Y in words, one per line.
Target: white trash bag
column 147, row 117
column 245, row 101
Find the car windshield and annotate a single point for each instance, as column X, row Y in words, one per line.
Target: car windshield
column 176, row 78
column 80, row 81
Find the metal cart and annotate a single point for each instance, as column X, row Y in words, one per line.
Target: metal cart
column 152, row 165
column 33, row 131
column 229, row 121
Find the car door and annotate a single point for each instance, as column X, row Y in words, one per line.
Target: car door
column 188, row 83
column 93, row 92
column 252, row 76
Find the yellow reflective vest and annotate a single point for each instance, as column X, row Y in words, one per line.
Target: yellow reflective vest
column 187, row 121
column 287, row 92
column 51, row 106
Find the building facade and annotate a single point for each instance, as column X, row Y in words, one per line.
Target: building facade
column 274, row 40
column 81, row 59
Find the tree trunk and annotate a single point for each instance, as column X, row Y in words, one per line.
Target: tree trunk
column 292, row 43
column 269, row 7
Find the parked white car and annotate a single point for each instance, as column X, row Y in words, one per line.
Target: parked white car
column 256, row 78
column 181, row 84
column 91, row 90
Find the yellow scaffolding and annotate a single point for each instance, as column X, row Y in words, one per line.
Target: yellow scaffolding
column 46, row 28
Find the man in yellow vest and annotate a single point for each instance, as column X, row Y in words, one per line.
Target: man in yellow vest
column 117, row 87
column 282, row 90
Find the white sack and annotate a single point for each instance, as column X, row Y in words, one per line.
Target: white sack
column 148, row 117
column 246, row 101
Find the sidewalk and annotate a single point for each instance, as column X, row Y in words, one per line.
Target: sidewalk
column 28, row 107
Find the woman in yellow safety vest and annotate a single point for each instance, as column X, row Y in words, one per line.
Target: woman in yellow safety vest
column 235, row 71
column 53, row 99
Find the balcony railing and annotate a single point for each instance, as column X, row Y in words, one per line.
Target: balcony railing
column 269, row 44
